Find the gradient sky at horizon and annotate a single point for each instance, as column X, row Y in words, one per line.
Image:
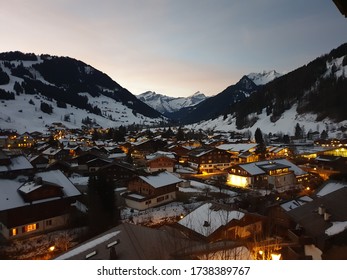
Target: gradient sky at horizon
column 175, row 47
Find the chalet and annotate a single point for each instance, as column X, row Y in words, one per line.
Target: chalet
column 37, row 206
column 240, row 152
column 160, row 161
column 278, row 174
column 118, row 172
column 181, row 152
column 326, row 166
column 213, row 222
column 207, row 160
column 40, row 162
column 151, row 190
column 273, row 152
column 13, row 165
column 94, row 164
column 24, row 140
column 141, row 149
column 61, row 165
column 324, row 218
column 89, row 161
column 55, row 154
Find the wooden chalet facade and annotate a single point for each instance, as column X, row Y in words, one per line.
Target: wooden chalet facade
column 279, row 175
column 151, row 190
column 160, row 161
column 212, row 222
column 208, row 160
column 38, row 206
column 117, row 172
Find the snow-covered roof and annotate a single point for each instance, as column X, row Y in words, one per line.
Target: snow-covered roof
column 252, row 169
column 57, row 177
column 51, row 151
column 89, row 245
column 214, row 217
column 10, row 196
column 136, row 196
column 259, row 167
column 160, row 154
column 292, row 204
column 297, row 170
column 161, row 179
column 330, row 187
column 117, row 155
column 29, row 187
column 17, row 163
column 237, row 147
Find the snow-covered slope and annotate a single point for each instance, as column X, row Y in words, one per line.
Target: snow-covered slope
column 22, row 116
column 73, row 90
column 264, row 77
column 166, row 104
column 285, row 125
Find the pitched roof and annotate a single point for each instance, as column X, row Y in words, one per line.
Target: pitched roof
column 160, row 180
column 17, row 163
column 309, row 218
column 259, row 167
column 207, row 218
column 10, row 196
column 135, row 243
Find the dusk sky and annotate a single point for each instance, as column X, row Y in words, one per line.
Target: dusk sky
column 175, row 47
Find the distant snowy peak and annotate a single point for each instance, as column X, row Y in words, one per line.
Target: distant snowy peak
column 167, row 104
column 264, row 77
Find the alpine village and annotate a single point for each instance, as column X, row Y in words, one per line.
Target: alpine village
column 90, row 171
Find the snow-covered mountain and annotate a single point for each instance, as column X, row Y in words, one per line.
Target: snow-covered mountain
column 313, row 96
column 36, row 91
column 166, row 104
column 263, row 77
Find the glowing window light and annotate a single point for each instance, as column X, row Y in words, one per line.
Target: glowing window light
column 238, row 181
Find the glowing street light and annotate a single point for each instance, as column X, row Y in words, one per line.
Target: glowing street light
column 275, row 257
column 52, row 248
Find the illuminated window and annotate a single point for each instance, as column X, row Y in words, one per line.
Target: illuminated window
column 30, row 227
column 13, row 232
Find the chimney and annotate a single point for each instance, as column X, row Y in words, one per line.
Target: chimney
column 321, row 209
column 327, row 216
column 206, row 224
column 38, row 181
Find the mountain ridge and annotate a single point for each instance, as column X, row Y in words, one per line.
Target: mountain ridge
column 167, row 104
column 67, row 85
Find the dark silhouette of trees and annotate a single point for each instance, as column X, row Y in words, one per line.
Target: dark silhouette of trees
column 46, row 108
column 102, row 208
column 4, row 78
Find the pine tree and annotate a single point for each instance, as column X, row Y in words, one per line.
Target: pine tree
column 103, row 213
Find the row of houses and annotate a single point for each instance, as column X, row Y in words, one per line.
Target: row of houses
column 312, row 228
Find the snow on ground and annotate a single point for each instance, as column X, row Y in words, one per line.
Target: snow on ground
column 336, row 228
column 152, row 216
column 285, row 125
column 37, row 247
column 19, row 115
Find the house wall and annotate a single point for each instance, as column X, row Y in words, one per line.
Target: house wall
column 35, row 227
column 239, row 181
column 215, row 159
column 160, row 164
column 284, row 181
column 151, row 202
